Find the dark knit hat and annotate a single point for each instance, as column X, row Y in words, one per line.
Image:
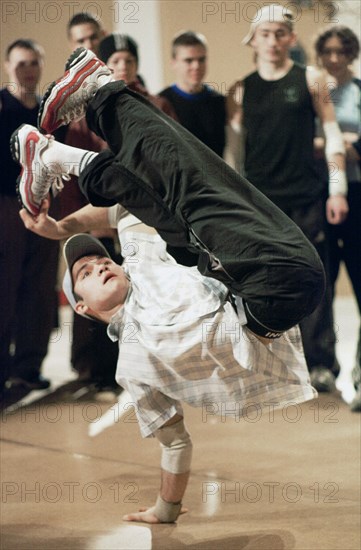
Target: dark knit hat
column 117, row 43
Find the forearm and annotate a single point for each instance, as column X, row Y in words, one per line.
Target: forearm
column 234, row 153
column 169, row 502
column 334, row 143
column 337, row 175
column 83, row 220
column 173, row 486
column 176, row 461
column 175, row 469
column 86, row 219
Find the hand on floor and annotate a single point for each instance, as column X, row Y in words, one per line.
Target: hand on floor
column 146, row 515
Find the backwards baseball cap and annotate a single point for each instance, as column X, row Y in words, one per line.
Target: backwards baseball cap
column 117, row 43
column 77, row 247
column 272, row 13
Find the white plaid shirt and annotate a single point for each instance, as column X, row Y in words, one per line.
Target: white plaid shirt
column 181, row 340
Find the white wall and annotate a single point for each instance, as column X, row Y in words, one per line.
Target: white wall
column 141, row 20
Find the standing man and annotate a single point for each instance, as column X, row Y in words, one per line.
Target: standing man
column 274, row 110
column 27, row 291
column 93, row 355
column 199, row 108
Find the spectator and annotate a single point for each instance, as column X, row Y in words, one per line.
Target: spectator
column 93, row 355
column 120, row 53
column 28, row 263
column 274, row 109
column 199, row 108
column 336, row 49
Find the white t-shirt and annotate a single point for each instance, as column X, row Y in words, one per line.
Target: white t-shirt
column 180, row 339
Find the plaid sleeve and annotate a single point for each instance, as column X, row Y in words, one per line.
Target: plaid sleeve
column 152, row 407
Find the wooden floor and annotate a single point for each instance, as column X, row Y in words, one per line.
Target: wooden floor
column 72, row 465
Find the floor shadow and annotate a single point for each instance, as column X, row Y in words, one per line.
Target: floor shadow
column 41, row 537
column 10, row 396
column 278, row 540
column 67, row 393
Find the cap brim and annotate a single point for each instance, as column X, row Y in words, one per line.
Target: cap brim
column 280, row 14
column 82, row 245
column 247, row 39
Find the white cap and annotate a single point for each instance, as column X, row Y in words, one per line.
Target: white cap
column 272, row 13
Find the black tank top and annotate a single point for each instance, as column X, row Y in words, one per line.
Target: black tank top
column 280, row 122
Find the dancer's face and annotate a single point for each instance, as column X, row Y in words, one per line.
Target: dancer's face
column 101, row 284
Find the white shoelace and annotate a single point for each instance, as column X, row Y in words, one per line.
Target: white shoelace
column 58, row 184
column 74, row 113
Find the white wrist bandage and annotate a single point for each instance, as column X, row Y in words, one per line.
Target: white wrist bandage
column 337, row 184
column 167, row 512
column 176, row 448
column 334, row 140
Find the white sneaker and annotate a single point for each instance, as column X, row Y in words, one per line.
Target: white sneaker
column 67, row 98
column 36, row 179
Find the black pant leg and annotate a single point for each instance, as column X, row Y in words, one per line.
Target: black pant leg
column 317, row 329
column 349, row 245
column 37, row 304
column 12, row 252
column 350, row 235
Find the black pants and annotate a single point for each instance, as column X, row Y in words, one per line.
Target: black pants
column 318, row 334
column 345, row 245
column 28, row 298
column 166, row 177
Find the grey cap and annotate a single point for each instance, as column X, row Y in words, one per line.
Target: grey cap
column 77, row 247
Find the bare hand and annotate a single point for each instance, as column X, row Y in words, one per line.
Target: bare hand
column 42, row 224
column 350, row 137
column 318, row 148
column 336, row 209
column 146, row 515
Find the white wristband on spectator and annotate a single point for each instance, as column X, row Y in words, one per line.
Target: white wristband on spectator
column 167, row 512
column 334, row 140
column 337, row 184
